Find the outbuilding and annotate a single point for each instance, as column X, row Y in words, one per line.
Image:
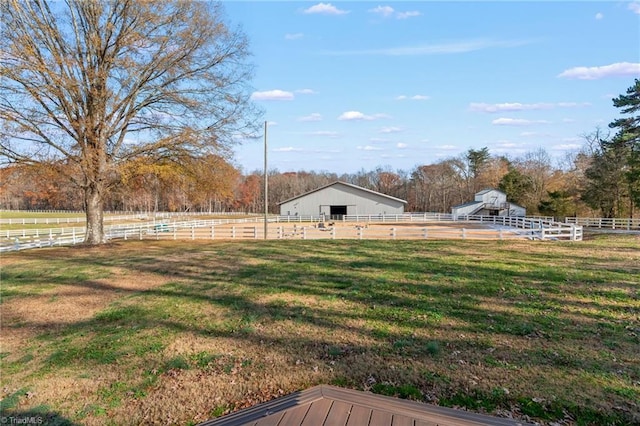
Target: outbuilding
column 488, row 202
column 340, row 198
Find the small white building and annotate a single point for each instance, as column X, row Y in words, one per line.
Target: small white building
column 489, row 202
column 340, row 198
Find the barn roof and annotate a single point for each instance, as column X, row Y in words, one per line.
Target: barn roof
column 345, row 184
column 484, row 191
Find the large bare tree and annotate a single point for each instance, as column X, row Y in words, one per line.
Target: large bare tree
column 96, row 83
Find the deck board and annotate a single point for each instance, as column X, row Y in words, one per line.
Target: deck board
column 359, row 416
column 338, row 414
column 317, row 413
column 380, row 418
column 400, row 420
column 295, row 416
column 272, row 420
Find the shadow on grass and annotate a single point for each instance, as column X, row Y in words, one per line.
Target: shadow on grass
column 391, row 290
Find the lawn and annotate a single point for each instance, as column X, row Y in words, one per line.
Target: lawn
column 172, row 332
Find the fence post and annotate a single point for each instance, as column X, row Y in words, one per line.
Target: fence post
column 255, row 233
column 140, row 233
column 212, row 232
column 73, row 233
column 333, row 233
column 193, row 232
column 464, row 234
column 393, row 233
column 233, row 232
column 175, row 231
column 500, row 233
column 425, row 233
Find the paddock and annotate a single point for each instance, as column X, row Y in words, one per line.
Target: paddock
column 392, row 227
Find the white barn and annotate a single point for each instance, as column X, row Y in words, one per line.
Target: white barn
column 489, row 202
column 341, row 198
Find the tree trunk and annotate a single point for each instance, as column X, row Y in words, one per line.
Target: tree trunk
column 94, row 212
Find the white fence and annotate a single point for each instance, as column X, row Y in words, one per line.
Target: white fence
column 282, row 227
column 605, row 223
column 108, row 218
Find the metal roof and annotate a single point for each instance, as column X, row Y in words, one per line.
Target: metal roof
column 345, row 184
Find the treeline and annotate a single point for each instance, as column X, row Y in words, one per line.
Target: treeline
column 602, row 179
column 212, row 184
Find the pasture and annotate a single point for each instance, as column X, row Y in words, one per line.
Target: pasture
column 176, row 332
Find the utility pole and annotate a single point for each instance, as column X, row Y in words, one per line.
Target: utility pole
column 266, row 183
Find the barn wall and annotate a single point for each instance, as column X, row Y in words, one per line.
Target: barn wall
column 491, row 197
column 357, row 202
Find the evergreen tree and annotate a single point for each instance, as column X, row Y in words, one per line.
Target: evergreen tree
column 628, row 136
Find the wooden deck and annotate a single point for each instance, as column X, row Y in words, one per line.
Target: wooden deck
column 328, row 405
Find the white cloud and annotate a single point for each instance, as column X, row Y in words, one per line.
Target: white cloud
column 572, row 140
column 517, row 122
column 325, row 9
column 402, row 145
column 369, row 148
column 272, row 95
column 409, row 14
column 358, row 116
column 507, row 107
column 517, row 106
column 294, row 36
column 325, row 133
column 635, row 7
column 447, row 147
column 566, row 147
column 506, row 144
column 314, row 116
column 526, row 134
column 306, row 92
column 388, row 11
column 414, row 97
column 392, row 129
column 573, row 104
column 384, row 11
column 463, row 46
column 287, row 149
column 593, row 73
column 599, row 16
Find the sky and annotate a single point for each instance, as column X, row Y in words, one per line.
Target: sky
column 350, row 86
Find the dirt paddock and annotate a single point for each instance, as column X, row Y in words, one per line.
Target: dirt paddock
column 347, row 230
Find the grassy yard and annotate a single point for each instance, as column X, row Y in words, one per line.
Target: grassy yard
column 179, row 332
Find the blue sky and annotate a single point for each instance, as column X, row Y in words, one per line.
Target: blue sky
column 347, row 86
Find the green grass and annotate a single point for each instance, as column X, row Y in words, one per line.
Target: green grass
column 545, row 329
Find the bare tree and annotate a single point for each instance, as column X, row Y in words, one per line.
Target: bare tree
column 99, row 83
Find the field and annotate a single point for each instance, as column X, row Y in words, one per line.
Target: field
column 176, row 332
